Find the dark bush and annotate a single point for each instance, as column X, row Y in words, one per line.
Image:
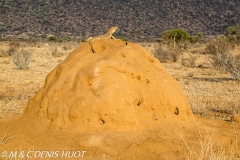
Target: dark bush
column 222, row 59
column 190, row 61
column 13, row 46
column 52, row 38
column 164, row 55
column 218, row 45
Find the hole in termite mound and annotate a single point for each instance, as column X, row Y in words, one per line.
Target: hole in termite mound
column 101, row 121
column 176, row 111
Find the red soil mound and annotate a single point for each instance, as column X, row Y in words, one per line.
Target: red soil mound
column 120, row 87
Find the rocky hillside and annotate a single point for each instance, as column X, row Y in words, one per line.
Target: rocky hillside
column 139, row 19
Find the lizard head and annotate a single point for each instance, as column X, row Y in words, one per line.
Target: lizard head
column 113, row 29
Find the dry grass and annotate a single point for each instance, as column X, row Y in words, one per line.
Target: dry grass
column 215, row 99
column 222, row 59
column 208, row 149
column 165, row 55
column 7, row 93
column 18, row 86
column 21, row 59
column 6, row 138
column 190, row 61
column 55, row 51
column 211, row 93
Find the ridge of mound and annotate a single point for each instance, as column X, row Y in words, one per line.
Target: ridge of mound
column 120, row 87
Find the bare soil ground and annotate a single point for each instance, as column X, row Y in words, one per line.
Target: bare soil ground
column 212, row 96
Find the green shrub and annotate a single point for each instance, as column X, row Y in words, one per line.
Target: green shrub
column 233, row 30
column 52, row 38
column 196, row 38
column 60, row 40
column 46, row 22
column 177, row 35
column 44, row 36
column 181, row 35
column 233, row 34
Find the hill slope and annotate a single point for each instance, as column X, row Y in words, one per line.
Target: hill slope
column 135, row 18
